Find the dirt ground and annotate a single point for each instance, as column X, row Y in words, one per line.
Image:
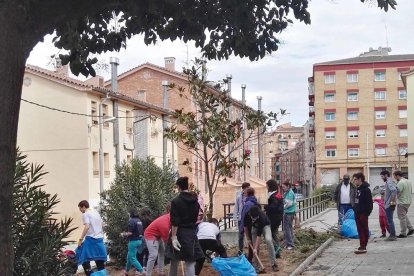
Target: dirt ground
column 306, row 241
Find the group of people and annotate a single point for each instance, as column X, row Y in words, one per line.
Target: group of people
column 178, row 235
column 356, row 195
column 253, row 223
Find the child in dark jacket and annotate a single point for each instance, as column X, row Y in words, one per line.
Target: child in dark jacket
column 274, row 211
column 362, row 208
column 382, row 216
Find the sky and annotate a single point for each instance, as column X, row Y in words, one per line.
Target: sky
column 339, row 29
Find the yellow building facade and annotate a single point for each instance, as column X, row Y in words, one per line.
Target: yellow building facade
column 359, row 109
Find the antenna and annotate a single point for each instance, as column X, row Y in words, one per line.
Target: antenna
column 386, row 35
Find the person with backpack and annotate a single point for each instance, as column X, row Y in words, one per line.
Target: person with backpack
column 274, row 211
column 289, row 213
column 251, row 201
column 135, row 238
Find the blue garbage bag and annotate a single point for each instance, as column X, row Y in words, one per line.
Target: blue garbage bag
column 349, row 214
column 100, row 273
column 235, row 266
column 349, row 229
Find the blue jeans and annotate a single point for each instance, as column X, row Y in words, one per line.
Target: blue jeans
column 288, row 229
column 343, row 208
column 132, row 256
column 389, row 212
column 241, row 235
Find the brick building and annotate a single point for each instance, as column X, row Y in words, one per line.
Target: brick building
column 359, row 109
column 144, row 82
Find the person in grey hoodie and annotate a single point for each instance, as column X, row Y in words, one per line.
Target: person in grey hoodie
column 390, row 201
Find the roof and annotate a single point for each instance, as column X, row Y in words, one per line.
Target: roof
column 80, row 85
column 165, row 71
column 369, row 59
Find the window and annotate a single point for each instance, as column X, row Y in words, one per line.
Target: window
column 380, row 95
column 329, row 78
column 403, row 132
column 380, row 114
column 353, row 77
column 379, row 76
column 330, row 116
column 330, row 97
column 329, row 134
column 380, row 133
column 381, row 151
column 94, row 113
column 95, row 161
column 353, row 152
column 402, row 150
column 352, row 96
column 104, row 114
column 402, row 113
column 128, row 115
column 352, row 115
column 352, row 133
column 330, row 152
column 402, row 94
column 106, row 164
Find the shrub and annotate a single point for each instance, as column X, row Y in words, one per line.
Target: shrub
column 37, row 236
column 141, row 184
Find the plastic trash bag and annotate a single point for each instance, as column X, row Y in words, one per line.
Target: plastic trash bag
column 349, row 214
column 235, row 266
column 100, row 273
column 349, row 229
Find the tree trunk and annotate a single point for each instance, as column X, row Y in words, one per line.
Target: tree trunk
column 12, row 65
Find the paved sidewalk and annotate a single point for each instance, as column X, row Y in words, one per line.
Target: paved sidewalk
column 383, row 258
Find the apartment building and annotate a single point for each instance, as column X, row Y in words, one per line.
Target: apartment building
column 358, row 107
column 408, row 80
column 285, row 137
column 59, row 127
column 148, row 82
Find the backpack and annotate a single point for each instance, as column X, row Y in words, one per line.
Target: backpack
column 140, row 228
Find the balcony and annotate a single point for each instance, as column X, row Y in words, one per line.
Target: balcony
column 311, row 111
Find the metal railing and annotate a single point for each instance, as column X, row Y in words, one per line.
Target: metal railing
column 306, row 208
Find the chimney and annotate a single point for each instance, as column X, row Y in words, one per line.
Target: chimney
column 61, row 70
column 169, row 63
column 97, row 81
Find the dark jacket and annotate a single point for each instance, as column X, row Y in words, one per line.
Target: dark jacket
column 274, row 209
column 363, row 200
column 258, row 224
column 249, row 203
column 184, row 210
column 136, row 228
column 337, row 195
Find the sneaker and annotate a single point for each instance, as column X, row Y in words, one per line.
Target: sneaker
column 401, row 236
column 391, row 238
column 289, row 248
column 410, row 232
column 274, row 267
column 360, row 251
column 383, row 236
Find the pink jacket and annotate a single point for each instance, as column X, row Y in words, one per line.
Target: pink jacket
column 380, row 203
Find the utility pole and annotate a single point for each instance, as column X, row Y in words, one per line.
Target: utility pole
column 259, row 140
column 243, row 87
column 164, row 122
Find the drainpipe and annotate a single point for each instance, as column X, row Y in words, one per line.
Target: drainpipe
column 114, row 86
column 164, row 122
column 259, row 140
column 243, row 87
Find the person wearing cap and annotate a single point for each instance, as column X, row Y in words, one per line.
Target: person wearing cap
column 344, row 197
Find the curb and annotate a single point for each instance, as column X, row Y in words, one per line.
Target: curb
column 301, row 268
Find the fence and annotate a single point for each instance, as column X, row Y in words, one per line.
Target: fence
column 306, row 208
